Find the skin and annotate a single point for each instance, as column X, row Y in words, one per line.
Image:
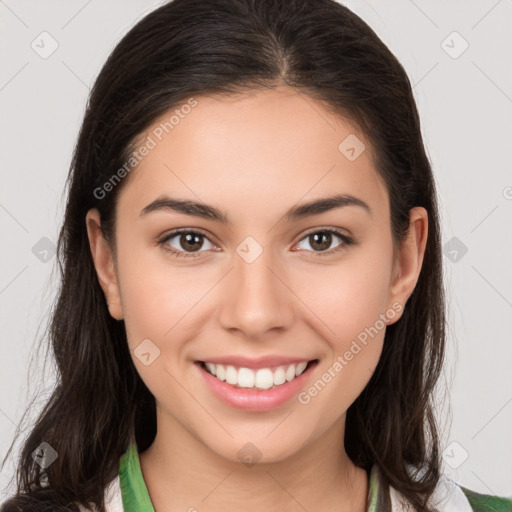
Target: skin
column 263, row 153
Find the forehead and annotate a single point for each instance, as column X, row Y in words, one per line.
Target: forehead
column 256, row 147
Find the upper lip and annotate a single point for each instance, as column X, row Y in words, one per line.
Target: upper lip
column 256, row 363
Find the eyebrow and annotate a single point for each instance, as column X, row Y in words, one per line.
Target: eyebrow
column 204, row 211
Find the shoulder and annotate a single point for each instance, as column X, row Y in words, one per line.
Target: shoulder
column 486, row 502
column 450, row 497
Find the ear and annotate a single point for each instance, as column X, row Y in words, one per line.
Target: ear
column 104, row 263
column 409, row 260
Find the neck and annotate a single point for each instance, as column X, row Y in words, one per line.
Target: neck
column 182, row 473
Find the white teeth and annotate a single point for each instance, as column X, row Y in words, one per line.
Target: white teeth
column 264, row 378
column 220, row 372
column 231, row 375
column 212, row 369
column 290, row 372
column 300, row 368
column 279, row 376
column 245, row 377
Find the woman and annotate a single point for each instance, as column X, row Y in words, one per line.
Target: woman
column 251, row 277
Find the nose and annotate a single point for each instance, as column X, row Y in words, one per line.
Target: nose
column 256, row 297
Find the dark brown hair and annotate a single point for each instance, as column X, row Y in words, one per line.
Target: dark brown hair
column 189, row 48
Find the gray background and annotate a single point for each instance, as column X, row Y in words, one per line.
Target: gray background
column 465, row 102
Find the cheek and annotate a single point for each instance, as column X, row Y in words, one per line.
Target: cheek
column 156, row 292
column 159, row 301
column 349, row 297
column 349, row 306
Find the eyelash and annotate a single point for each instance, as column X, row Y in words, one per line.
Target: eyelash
column 347, row 241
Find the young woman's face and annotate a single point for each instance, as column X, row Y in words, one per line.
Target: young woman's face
column 260, row 283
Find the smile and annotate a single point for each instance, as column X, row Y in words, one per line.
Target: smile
column 256, row 389
column 263, row 378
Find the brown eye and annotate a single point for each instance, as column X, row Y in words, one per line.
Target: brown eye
column 184, row 243
column 190, row 241
column 321, row 241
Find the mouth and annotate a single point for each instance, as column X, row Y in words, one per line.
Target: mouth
column 260, row 379
column 260, row 389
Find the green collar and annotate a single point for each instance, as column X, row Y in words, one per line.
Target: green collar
column 136, row 497
column 133, row 488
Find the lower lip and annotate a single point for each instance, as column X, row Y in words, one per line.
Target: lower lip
column 255, row 399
